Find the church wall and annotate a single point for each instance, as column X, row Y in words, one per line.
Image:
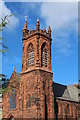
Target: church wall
column 38, row 87
column 7, row 111
column 67, row 109
column 28, row 81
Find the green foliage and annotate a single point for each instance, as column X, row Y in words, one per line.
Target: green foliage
column 4, row 22
column 9, row 88
column 3, row 83
column 2, row 91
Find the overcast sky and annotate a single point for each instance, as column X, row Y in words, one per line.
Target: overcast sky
column 63, row 19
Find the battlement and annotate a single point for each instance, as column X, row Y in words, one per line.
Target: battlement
column 29, row 33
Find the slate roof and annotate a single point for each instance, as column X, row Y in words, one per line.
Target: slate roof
column 65, row 92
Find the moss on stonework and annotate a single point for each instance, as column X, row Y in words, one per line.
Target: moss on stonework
column 13, row 83
column 2, row 90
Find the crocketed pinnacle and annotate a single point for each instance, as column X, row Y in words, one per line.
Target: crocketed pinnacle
column 13, row 68
column 37, row 25
column 49, row 31
column 25, row 25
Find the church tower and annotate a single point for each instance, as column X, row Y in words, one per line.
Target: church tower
column 36, row 92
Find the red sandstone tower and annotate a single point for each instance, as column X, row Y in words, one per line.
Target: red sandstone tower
column 37, row 99
column 30, row 94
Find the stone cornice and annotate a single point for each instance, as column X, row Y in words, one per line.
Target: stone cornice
column 36, row 68
column 37, row 33
column 65, row 99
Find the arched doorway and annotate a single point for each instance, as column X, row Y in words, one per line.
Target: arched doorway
column 11, row 118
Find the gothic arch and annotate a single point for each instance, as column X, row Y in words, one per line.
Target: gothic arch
column 13, row 99
column 10, row 116
column 44, row 54
column 30, row 47
column 30, row 54
column 44, row 44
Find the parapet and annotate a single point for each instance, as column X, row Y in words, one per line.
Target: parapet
column 29, row 33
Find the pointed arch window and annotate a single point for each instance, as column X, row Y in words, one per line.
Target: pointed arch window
column 28, row 101
column 30, row 55
column 13, row 100
column 68, row 110
column 44, row 55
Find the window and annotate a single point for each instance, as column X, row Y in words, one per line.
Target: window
column 13, row 90
column 30, row 55
column 43, row 85
column 68, row 111
column 28, row 103
column 72, row 110
column 29, row 83
column 13, row 101
column 44, row 55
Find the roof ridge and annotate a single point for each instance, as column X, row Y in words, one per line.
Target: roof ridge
column 59, row 84
column 68, row 93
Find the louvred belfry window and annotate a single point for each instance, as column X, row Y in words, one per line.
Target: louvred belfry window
column 30, row 55
column 44, row 56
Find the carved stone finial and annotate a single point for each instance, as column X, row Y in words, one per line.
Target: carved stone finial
column 49, row 31
column 26, row 18
column 25, row 29
column 37, row 25
column 25, row 25
column 13, row 68
column 37, row 20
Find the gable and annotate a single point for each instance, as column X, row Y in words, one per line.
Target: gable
column 14, row 80
column 13, row 83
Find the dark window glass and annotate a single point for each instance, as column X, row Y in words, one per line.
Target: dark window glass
column 68, row 111
column 13, row 101
column 29, row 101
